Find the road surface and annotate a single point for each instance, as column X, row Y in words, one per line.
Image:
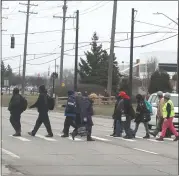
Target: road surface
column 40, row 156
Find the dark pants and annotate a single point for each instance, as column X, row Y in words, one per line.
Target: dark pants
column 15, row 122
column 159, row 126
column 127, row 127
column 89, row 131
column 114, row 126
column 69, row 122
column 78, row 119
column 145, row 125
column 43, row 118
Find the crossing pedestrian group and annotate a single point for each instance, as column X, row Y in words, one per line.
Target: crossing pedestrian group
column 79, row 111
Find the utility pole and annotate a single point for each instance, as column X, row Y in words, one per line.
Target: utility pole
column 25, row 42
column 62, row 40
column 76, row 52
column 111, row 57
column 131, row 53
column 20, row 66
column 54, row 77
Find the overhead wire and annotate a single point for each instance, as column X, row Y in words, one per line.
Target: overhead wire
column 144, row 45
column 95, row 8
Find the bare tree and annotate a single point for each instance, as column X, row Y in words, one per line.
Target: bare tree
column 150, row 68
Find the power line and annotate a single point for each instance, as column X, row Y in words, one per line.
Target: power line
column 92, row 6
column 39, row 32
column 155, row 25
column 95, row 8
column 144, row 45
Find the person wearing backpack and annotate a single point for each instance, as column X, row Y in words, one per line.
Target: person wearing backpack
column 16, row 107
column 42, row 105
column 70, row 113
column 142, row 115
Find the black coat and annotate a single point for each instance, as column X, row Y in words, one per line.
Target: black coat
column 41, row 104
column 142, row 112
column 15, row 104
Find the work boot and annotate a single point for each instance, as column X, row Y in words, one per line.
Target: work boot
column 73, row 134
column 176, row 138
column 89, row 138
column 147, row 136
column 160, row 138
column 49, row 135
column 153, row 134
column 16, row 134
column 127, row 137
column 64, row 135
column 112, row 134
column 31, row 134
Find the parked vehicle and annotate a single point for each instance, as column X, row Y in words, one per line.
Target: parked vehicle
column 154, row 100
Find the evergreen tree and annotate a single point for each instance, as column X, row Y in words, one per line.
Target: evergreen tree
column 94, row 70
column 3, row 70
column 160, row 81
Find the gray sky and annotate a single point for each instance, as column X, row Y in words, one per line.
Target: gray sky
column 94, row 16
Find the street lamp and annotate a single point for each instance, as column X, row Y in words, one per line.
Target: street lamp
column 177, row 87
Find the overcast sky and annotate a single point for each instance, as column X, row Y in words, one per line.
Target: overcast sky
column 94, row 16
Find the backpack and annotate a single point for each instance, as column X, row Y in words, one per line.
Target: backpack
column 51, row 102
column 23, row 103
column 149, row 106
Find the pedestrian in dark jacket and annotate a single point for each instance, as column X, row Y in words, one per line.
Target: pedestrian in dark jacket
column 142, row 115
column 86, row 115
column 70, row 113
column 15, row 108
column 115, row 116
column 126, row 113
column 42, row 106
column 79, row 102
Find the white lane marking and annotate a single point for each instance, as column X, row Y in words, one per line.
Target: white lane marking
column 154, row 140
column 138, row 137
column 121, row 138
column 169, row 139
column 20, row 138
column 10, row 153
column 145, row 151
column 98, row 138
column 76, row 139
column 46, row 138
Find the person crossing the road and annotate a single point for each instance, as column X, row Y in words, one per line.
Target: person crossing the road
column 70, row 113
column 142, row 115
column 168, row 115
column 42, row 105
column 16, row 106
column 159, row 114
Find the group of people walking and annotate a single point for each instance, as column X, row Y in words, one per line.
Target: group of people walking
column 79, row 112
column 124, row 113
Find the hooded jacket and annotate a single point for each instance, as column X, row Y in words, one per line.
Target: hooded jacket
column 15, row 103
column 70, row 109
column 42, row 102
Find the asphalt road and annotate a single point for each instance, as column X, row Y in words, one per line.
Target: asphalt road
column 40, row 156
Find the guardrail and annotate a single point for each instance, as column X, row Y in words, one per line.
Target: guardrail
column 100, row 100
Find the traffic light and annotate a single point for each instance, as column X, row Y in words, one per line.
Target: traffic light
column 12, row 41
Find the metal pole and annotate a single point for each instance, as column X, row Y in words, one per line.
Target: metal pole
column 20, row 66
column 177, row 86
column 131, row 53
column 62, row 42
column 111, row 57
column 76, row 51
column 25, row 48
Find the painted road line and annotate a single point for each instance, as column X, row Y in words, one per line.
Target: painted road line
column 46, row 138
column 20, row 138
column 100, row 139
column 121, row 138
column 169, row 139
column 76, row 139
column 145, row 151
column 10, row 153
column 154, row 140
column 138, row 137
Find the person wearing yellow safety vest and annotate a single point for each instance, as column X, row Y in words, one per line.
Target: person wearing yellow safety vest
column 168, row 115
